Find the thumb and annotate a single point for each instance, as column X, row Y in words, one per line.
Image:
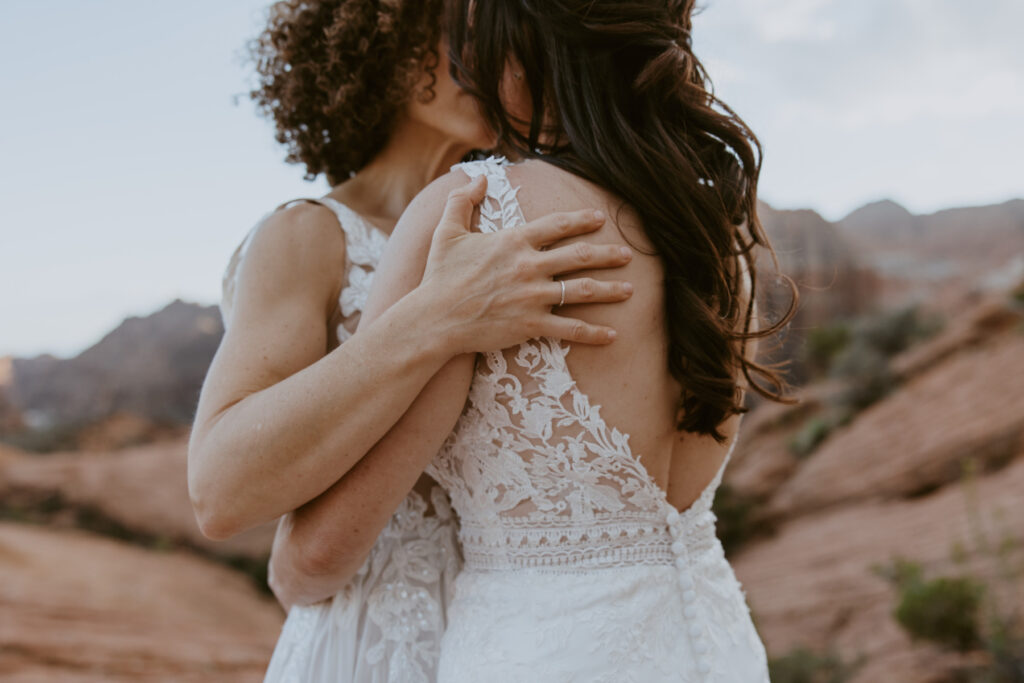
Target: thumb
column 458, row 210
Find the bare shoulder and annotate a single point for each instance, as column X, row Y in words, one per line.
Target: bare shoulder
column 543, row 189
column 299, row 248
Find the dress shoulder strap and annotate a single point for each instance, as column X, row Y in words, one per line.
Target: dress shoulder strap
column 364, row 244
column 500, row 208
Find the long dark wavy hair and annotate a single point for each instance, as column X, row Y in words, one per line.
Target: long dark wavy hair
column 619, row 98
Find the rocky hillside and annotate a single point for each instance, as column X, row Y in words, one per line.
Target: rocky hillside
column 104, row 575
column 937, row 257
column 150, row 367
column 930, row 473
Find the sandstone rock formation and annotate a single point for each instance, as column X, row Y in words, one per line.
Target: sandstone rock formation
column 916, row 440
column 933, row 473
column 86, row 609
column 139, row 491
column 813, row 584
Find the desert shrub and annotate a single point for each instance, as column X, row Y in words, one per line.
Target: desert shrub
column 45, row 439
column 810, row 436
column 895, row 331
column 866, row 374
column 824, row 344
column 942, row 610
column 806, row 666
column 900, row 572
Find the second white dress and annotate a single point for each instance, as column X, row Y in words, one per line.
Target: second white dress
column 576, row 566
column 386, row 624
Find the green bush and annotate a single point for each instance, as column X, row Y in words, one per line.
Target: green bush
column 824, row 344
column 896, row 331
column 813, row 433
column 805, row 666
column 900, row 572
column 865, row 371
column 942, row 610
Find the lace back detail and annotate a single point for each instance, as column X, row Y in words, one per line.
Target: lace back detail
column 537, row 476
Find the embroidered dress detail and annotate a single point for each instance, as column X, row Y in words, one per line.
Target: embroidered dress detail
column 386, row 624
column 577, row 568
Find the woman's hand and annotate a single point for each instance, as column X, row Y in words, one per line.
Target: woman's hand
column 498, row 289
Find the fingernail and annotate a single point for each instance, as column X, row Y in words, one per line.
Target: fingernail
column 598, row 216
column 612, row 334
column 626, row 252
column 627, row 287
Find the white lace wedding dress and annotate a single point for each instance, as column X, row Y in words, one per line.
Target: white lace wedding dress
column 385, row 626
column 576, row 566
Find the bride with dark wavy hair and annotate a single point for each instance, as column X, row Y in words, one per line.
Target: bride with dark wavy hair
column 583, row 477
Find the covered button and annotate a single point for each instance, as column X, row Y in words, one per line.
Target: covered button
column 672, row 517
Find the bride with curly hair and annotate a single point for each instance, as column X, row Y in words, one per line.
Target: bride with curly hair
column 300, row 388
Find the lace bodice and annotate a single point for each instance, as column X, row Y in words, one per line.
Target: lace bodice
column 577, row 568
column 386, row 624
column 537, row 476
column 364, row 245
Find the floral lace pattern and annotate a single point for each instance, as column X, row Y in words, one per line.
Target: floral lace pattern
column 402, row 589
column 576, row 566
column 538, row 478
column 385, row 625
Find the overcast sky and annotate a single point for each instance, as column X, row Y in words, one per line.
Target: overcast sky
column 130, row 167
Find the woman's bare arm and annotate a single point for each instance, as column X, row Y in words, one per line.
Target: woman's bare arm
column 321, row 545
column 279, row 421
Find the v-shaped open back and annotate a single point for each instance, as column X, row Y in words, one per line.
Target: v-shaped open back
column 576, row 567
column 537, row 476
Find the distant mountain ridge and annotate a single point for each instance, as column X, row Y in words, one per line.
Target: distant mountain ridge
column 152, row 366
column 971, row 238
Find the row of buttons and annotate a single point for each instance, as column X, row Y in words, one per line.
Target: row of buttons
column 697, row 634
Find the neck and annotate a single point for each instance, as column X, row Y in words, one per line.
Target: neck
column 414, row 156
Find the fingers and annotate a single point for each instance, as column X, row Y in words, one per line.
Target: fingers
column 555, row 226
column 586, row 290
column 458, row 210
column 572, row 330
column 583, row 256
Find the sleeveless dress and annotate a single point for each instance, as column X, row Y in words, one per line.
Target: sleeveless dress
column 385, row 625
column 577, row 568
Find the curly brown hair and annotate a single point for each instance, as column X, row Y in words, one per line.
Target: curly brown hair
column 335, row 75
